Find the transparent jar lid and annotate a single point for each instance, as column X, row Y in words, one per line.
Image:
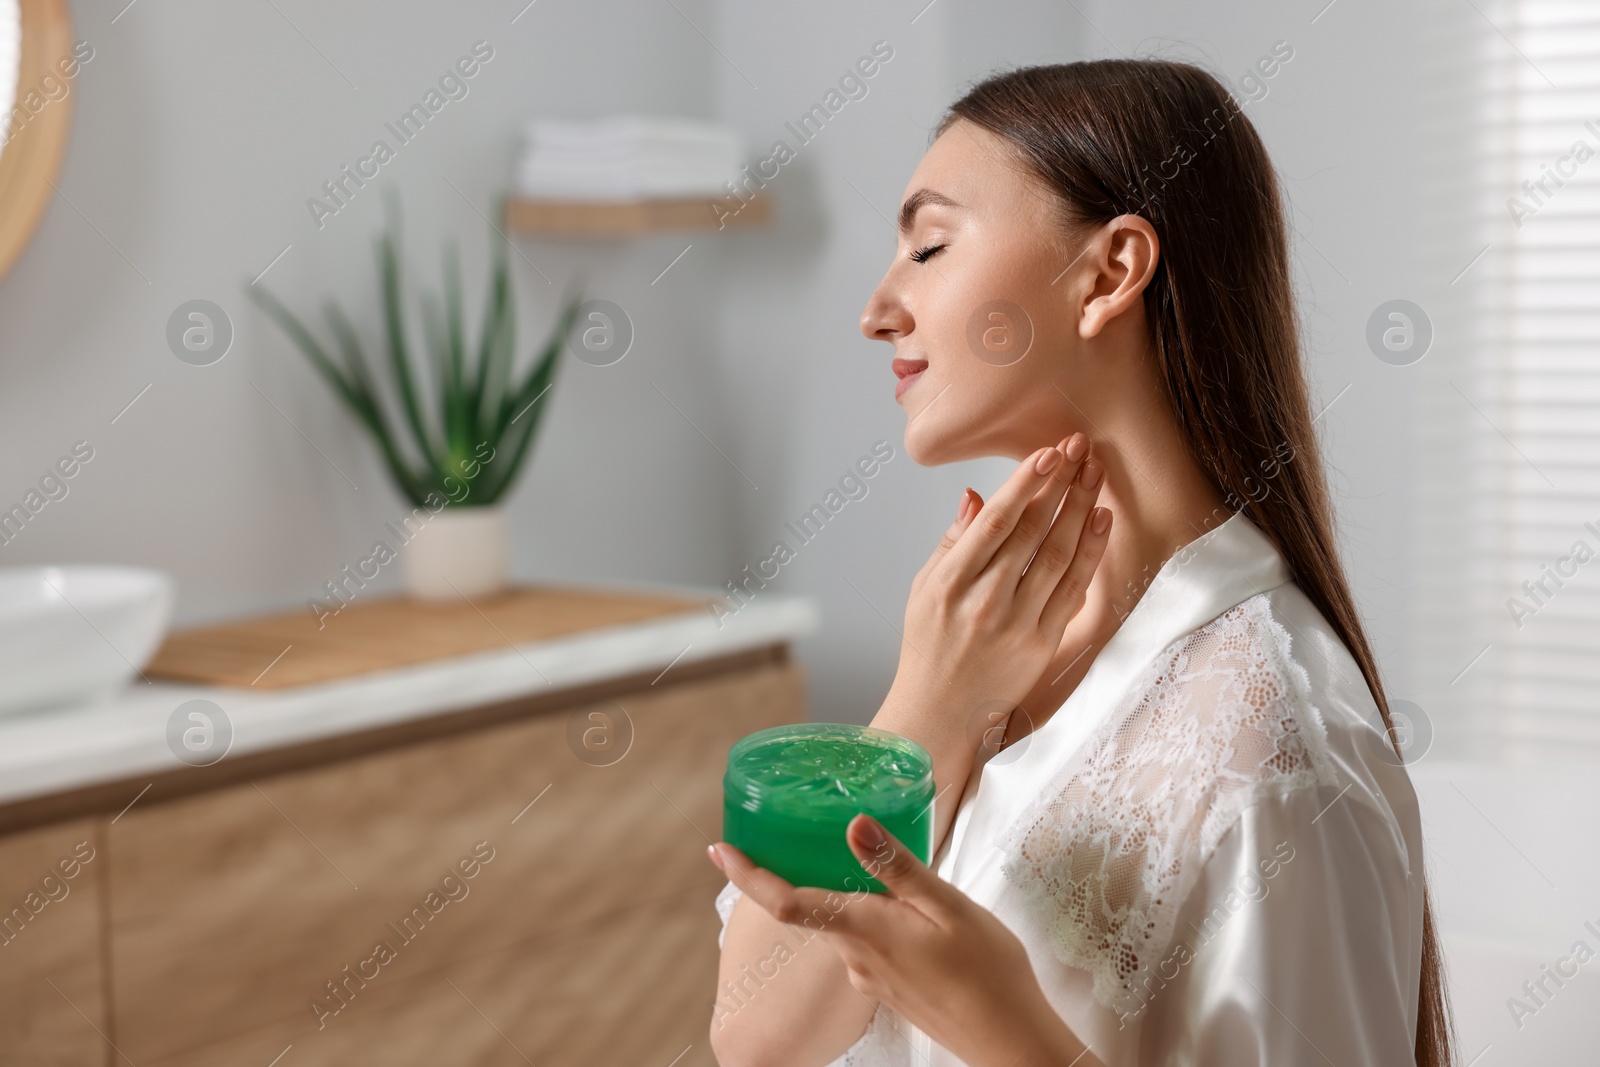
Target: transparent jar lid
column 823, row 770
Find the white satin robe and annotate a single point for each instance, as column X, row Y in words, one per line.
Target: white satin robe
column 1210, row 852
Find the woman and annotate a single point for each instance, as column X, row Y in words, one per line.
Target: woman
column 1191, row 841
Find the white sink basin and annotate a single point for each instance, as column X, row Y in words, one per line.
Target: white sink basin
column 69, row 634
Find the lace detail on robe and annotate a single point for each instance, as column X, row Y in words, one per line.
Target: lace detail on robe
column 1104, row 860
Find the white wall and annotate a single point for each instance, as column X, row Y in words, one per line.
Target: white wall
column 202, row 129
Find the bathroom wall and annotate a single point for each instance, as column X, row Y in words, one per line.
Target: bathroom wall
column 201, row 131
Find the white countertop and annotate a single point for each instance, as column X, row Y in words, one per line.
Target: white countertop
column 125, row 735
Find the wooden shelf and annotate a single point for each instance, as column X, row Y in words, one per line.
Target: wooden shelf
column 580, row 218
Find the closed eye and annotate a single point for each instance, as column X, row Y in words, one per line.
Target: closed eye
column 922, row 255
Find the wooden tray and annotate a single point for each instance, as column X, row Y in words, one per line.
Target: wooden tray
column 280, row 651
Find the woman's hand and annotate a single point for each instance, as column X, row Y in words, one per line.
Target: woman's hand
column 940, row 960
column 988, row 609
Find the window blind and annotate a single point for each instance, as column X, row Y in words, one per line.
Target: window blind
column 1508, row 431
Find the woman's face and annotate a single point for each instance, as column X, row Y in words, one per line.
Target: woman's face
column 979, row 306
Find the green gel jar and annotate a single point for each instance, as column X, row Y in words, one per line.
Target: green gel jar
column 790, row 791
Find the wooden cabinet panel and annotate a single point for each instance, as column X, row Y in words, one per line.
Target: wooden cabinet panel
column 51, row 981
column 631, row 988
column 235, row 910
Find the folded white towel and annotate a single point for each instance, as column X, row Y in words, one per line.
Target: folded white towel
column 626, row 157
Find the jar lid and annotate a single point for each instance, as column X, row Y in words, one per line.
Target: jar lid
column 828, row 769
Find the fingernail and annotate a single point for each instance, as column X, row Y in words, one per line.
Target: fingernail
column 1077, row 446
column 1101, row 521
column 964, row 506
column 1049, row 461
column 870, row 833
column 1092, row 473
column 716, row 857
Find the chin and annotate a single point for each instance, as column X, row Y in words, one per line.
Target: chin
column 930, row 444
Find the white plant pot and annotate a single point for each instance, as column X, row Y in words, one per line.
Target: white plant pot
column 460, row 552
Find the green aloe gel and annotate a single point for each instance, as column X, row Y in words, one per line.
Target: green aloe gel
column 790, row 791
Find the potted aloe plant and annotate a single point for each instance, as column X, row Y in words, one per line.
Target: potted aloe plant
column 467, row 419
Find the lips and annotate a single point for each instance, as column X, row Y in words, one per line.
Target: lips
column 908, row 371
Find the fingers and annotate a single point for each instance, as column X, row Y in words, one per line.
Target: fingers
column 892, row 863
column 778, row 898
column 1059, row 547
column 969, row 505
column 785, row 902
column 998, row 518
column 1035, row 522
column 1069, row 593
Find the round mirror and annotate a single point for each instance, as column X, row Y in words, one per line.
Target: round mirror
column 37, row 68
column 10, row 62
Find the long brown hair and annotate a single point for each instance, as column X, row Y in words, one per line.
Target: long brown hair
column 1168, row 142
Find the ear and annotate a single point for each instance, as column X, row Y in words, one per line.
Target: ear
column 1120, row 259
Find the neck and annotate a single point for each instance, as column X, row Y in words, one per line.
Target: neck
column 1160, row 500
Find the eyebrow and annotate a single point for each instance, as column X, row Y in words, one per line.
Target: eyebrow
column 914, row 202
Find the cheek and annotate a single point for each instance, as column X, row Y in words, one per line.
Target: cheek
column 940, row 431
column 988, row 325
column 983, row 411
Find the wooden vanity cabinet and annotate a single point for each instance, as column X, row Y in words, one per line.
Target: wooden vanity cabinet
column 480, row 894
column 52, row 975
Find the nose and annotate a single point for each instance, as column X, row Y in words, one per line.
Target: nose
column 885, row 317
